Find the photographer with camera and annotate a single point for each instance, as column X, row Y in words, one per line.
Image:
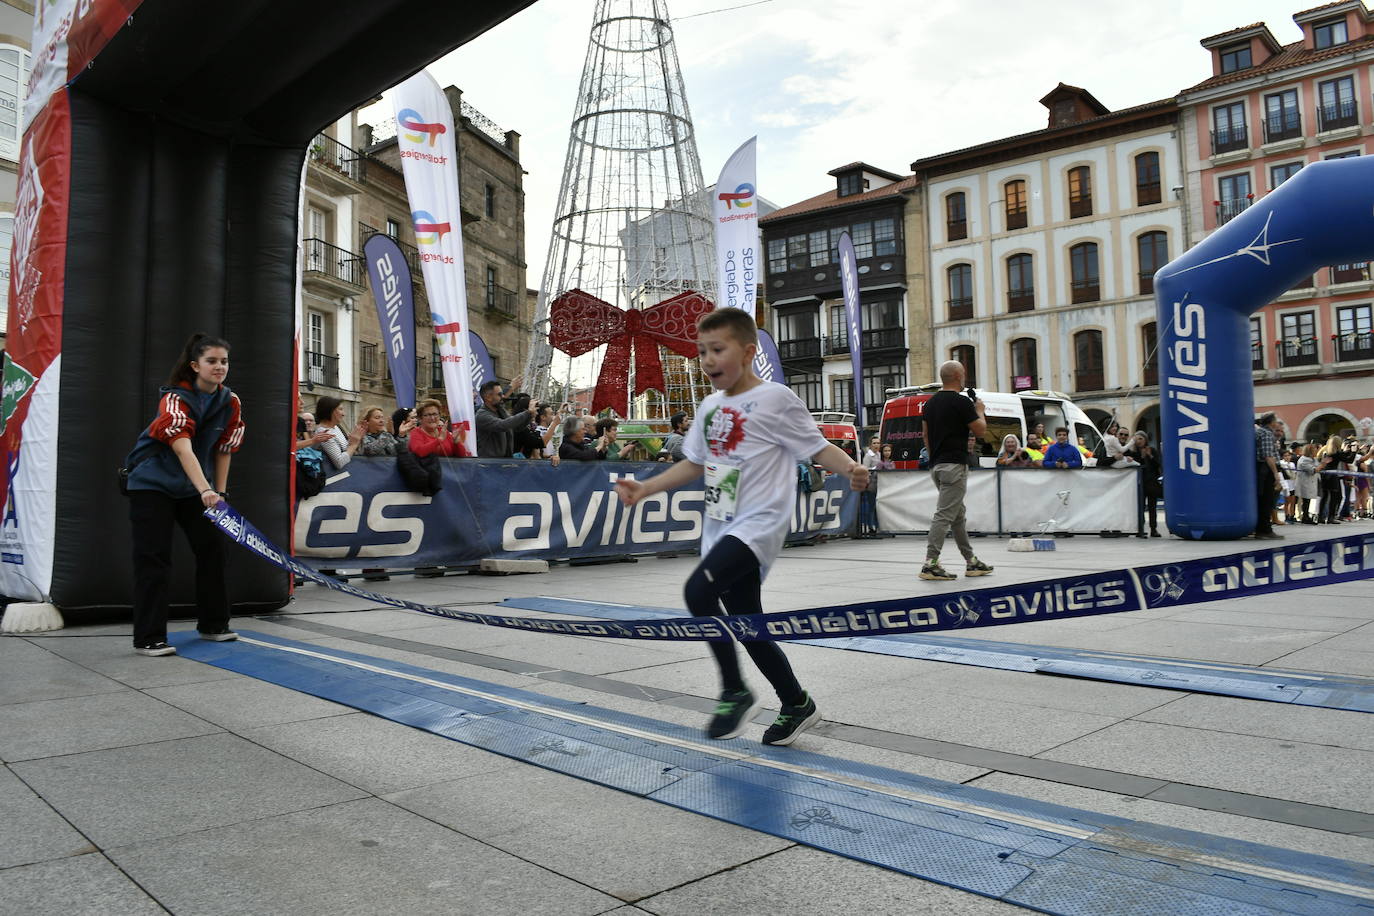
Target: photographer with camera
column 495, row 428
column 947, row 421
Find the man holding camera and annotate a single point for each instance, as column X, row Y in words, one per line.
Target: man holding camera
column 495, row 429
column 947, row 419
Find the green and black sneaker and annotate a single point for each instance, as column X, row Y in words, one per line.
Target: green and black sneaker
column 791, row 722
column 733, row 712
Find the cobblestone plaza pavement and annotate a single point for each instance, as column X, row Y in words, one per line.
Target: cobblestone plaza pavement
column 145, row 785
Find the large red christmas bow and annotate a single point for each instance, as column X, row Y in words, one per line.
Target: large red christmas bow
column 579, row 322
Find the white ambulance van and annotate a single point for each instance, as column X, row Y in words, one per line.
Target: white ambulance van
column 1014, row 414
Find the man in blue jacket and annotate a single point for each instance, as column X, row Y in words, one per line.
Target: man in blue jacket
column 1062, row 454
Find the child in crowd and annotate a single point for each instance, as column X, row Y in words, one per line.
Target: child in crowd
column 748, row 438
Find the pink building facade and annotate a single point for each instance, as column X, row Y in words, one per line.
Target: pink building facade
column 1267, row 111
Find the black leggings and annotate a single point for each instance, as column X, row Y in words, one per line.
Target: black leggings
column 728, row 577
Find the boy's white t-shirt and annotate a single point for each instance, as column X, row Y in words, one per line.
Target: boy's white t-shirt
column 763, row 433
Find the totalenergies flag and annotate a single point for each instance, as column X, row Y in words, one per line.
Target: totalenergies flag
column 737, row 230
column 67, row 34
column 429, row 161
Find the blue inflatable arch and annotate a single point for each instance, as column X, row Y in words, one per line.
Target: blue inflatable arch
column 1323, row 215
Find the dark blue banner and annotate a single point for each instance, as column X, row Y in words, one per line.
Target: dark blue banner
column 1238, row 575
column 518, row 510
column 391, row 290
column 481, row 367
column 767, row 362
column 849, row 286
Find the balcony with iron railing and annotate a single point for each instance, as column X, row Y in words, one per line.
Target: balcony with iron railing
column 1087, row 290
column 1283, row 126
column 1150, row 374
column 367, row 359
column 1227, row 210
column 1088, row 379
column 334, row 268
column 1297, row 351
column 321, row 369
column 961, row 309
column 501, row 301
column 874, row 339
column 1080, row 206
column 956, row 229
column 1256, row 357
column 1354, row 345
column 799, row 348
column 1338, row 115
column 1148, row 193
column 336, row 159
column 412, row 254
column 1021, row 300
column 1350, row 273
column 1147, row 282
column 884, row 339
column 1230, row 139
column 1016, row 218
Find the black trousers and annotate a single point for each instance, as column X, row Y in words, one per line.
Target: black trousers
column 153, row 517
column 1333, row 495
column 1265, row 494
column 728, row 577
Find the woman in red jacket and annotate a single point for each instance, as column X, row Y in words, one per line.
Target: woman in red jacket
column 432, row 436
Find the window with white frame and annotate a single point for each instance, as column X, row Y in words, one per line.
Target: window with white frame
column 14, row 74
column 314, row 337
column 6, row 242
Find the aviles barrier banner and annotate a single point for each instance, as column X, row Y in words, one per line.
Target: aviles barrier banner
column 518, row 510
column 1000, row 501
column 1237, row 575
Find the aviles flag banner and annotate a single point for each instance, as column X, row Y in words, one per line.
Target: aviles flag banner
column 394, row 295
column 429, row 161
column 849, row 285
column 737, row 231
column 482, row 369
column 767, row 362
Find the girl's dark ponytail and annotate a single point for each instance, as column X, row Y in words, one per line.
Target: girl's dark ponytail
column 198, row 344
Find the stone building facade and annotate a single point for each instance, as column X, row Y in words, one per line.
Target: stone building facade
column 356, row 189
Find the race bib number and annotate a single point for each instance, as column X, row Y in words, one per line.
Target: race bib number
column 722, row 491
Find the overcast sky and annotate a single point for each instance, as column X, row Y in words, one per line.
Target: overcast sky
column 826, row 82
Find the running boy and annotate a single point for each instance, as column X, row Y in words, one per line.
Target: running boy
column 748, row 437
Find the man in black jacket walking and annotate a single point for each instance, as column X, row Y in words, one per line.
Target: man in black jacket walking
column 495, row 429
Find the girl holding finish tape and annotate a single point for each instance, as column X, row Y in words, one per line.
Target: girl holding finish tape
column 197, row 428
column 748, row 438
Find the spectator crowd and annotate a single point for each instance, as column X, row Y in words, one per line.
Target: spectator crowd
column 1312, row 483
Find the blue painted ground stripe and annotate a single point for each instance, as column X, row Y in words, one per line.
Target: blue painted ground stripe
column 1299, row 688
column 1048, row 857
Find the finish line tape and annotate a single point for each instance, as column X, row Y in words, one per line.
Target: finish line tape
column 1237, row 575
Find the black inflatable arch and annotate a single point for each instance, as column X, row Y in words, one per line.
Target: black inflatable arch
column 189, row 132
